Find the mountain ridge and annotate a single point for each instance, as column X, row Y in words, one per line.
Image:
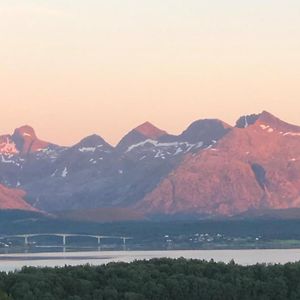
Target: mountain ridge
column 245, row 170
column 211, row 168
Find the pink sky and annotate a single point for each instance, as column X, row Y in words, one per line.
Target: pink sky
column 71, row 69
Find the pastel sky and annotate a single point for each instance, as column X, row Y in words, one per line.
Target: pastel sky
column 71, row 68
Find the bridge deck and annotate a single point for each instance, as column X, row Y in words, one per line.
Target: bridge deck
column 65, row 236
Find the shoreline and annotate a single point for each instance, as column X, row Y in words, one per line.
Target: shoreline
column 12, row 262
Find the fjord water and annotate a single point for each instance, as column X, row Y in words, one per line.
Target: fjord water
column 11, row 262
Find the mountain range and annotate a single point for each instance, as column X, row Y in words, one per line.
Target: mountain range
column 210, row 170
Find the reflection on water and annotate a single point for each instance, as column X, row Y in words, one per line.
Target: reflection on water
column 10, row 262
column 59, row 249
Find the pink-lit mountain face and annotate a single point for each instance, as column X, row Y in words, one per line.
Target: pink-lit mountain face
column 93, row 174
column 150, row 131
column 13, row 199
column 256, row 166
column 145, row 131
column 211, row 169
column 23, row 141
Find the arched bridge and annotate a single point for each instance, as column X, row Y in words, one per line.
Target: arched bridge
column 64, row 237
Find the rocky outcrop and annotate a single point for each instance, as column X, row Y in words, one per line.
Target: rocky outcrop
column 23, row 141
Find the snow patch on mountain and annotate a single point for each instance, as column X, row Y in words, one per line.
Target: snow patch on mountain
column 246, row 122
column 87, row 149
column 164, row 145
column 54, row 173
column 52, row 153
column 268, row 128
column 64, row 172
column 292, row 134
column 178, row 151
column 293, row 159
column 8, row 147
column 264, row 127
column 9, row 159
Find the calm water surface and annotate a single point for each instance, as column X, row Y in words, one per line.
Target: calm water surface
column 11, row 262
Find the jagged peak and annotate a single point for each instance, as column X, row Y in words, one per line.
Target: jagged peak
column 247, row 120
column 26, row 140
column 142, row 132
column 149, row 130
column 265, row 119
column 264, row 116
column 272, row 121
column 93, row 140
column 25, row 131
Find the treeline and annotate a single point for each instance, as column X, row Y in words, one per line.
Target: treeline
column 20, row 222
column 155, row 279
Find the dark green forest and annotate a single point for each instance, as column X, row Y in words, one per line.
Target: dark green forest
column 155, row 279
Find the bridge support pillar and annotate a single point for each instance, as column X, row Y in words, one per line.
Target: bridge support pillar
column 64, row 240
column 26, row 240
column 99, row 240
column 124, row 243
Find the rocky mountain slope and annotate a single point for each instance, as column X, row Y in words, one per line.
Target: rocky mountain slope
column 255, row 166
column 23, row 141
column 93, row 174
column 13, row 199
column 211, row 169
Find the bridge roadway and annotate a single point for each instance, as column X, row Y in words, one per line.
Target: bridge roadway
column 64, row 237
